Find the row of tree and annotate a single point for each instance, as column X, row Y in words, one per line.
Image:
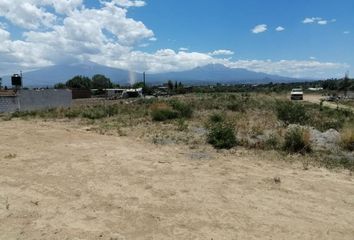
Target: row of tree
column 101, row 82
column 345, row 84
column 175, row 87
column 98, row 81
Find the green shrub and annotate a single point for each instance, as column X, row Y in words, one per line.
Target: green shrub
column 24, row 114
column 216, row 118
column 272, row 142
column 163, row 114
column 222, row 136
column 184, row 110
column 237, row 106
column 182, row 125
column 162, row 111
column 94, row 113
column 72, row 113
column 297, row 140
column 347, row 139
column 291, row 113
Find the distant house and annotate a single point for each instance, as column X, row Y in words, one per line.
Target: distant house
column 315, row 89
column 124, row 93
column 347, row 95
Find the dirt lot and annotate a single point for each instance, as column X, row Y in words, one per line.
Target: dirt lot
column 60, row 181
column 315, row 98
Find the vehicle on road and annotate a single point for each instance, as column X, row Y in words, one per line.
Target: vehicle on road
column 297, row 94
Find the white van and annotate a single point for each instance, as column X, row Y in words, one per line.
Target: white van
column 297, row 94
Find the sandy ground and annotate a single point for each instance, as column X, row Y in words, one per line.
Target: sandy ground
column 313, row 98
column 59, row 181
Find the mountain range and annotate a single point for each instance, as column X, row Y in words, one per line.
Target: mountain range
column 209, row 74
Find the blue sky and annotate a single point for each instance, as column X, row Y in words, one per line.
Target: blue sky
column 315, row 38
column 206, row 25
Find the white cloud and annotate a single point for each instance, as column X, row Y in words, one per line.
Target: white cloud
column 317, row 20
column 129, row 3
column 63, row 6
column 312, row 58
column 183, row 49
column 311, row 20
column 221, row 52
column 259, row 28
column 280, row 29
column 322, row 22
column 346, row 32
column 27, row 14
column 4, row 35
column 81, row 35
column 293, row 68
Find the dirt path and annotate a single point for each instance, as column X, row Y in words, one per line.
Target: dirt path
column 59, row 181
column 317, row 99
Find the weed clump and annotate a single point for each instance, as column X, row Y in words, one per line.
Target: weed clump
column 272, row 142
column 184, row 110
column 297, row 140
column 236, row 106
column 172, row 110
column 221, row 134
column 161, row 112
column 216, row 118
column 347, row 139
column 291, row 113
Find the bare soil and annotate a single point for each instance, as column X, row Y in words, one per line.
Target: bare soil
column 60, row 181
column 315, row 98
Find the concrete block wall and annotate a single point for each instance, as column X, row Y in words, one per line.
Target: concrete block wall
column 44, row 99
column 29, row 100
column 8, row 103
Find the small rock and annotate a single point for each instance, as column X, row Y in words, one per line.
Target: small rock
column 277, row 180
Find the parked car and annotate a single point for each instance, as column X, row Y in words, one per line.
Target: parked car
column 332, row 98
column 297, row 94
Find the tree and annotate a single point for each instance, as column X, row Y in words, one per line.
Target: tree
column 0, row 83
column 170, row 85
column 344, row 85
column 101, row 82
column 138, row 85
column 60, row 86
column 79, row 82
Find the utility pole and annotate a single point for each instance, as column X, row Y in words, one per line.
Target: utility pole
column 144, row 81
column 21, row 78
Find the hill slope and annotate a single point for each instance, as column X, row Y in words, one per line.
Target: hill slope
column 209, row 74
column 217, row 73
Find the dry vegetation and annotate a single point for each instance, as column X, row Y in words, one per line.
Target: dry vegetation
column 253, row 121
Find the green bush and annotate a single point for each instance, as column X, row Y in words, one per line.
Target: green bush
column 222, row 136
column 182, row 125
column 94, row 113
column 272, row 142
column 163, row 114
column 347, row 139
column 184, row 110
column 216, row 118
column 72, row 113
column 297, row 140
column 237, row 106
column 291, row 113
column 162, row 111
